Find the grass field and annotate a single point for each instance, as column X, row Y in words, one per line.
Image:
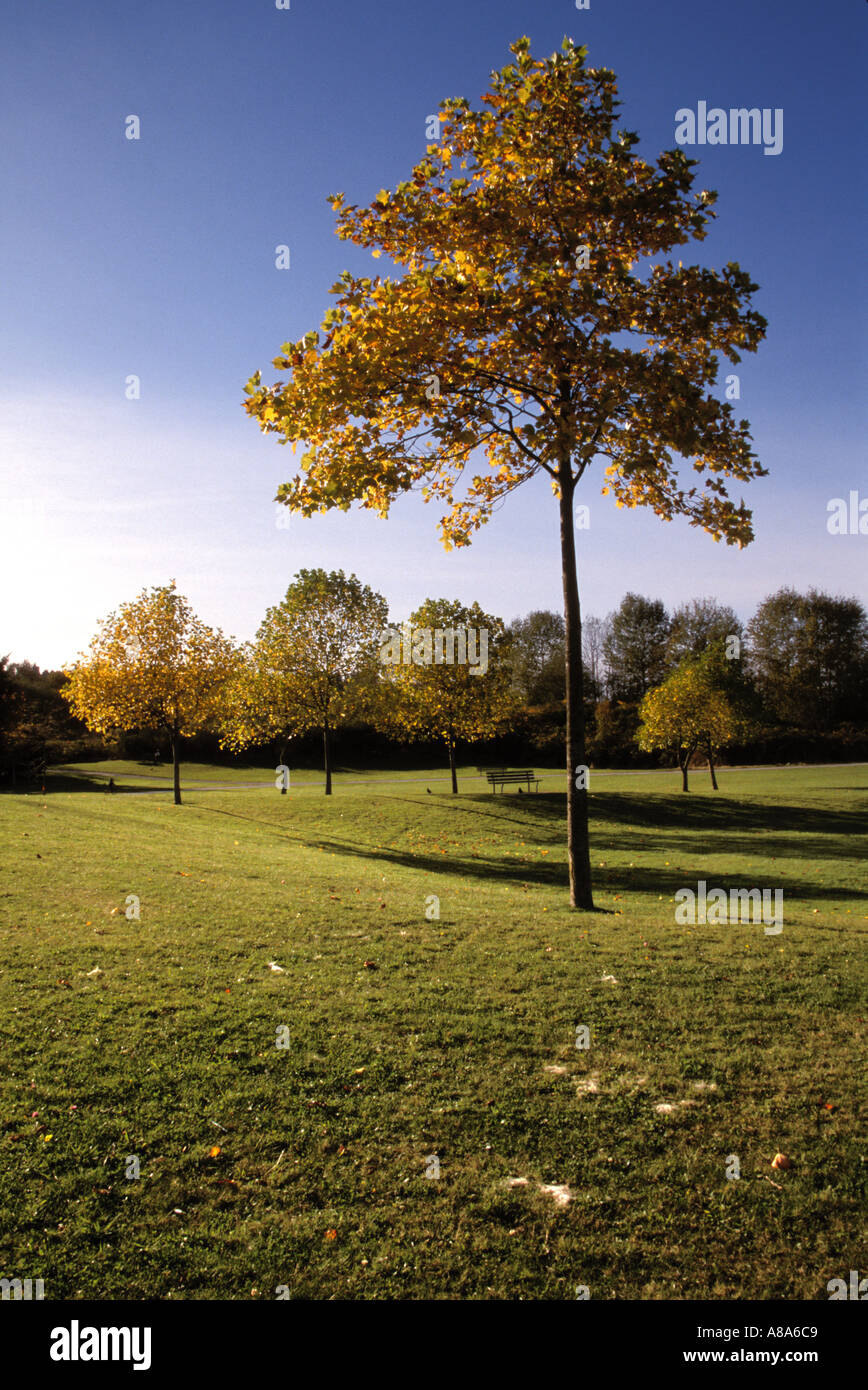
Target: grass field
column 413, row 1037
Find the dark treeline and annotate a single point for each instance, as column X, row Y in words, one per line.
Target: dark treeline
column 804, row 656
column 36, row 726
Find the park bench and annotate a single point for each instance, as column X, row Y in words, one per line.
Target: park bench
column 501, row 776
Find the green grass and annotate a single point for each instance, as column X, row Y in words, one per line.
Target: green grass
column 439, row 1047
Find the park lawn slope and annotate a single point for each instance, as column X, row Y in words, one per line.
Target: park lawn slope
column 411, row 1036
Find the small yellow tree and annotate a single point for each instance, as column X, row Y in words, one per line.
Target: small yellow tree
column 446, row 676
column 152, row 665
column 686, row 712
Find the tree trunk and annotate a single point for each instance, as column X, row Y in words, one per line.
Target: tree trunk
column 578, row 847
column 452, row 766
column 711, row 768
column 683, row 760
column 176, row 767
column 326, row 758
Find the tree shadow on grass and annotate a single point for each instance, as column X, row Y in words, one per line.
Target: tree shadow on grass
column 722, row 813
column 60, row 782
column 770, row 830
column 661, row 882
column 663, row 813
column 82, row 781
column 728, row 826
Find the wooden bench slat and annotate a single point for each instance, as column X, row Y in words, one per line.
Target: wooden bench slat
column 506, row 776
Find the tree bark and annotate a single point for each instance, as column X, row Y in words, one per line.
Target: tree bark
column 176, row 767
column 452, row 766
column 684, row 756
column 326, row 757
column 711, row 768
column 578, row 847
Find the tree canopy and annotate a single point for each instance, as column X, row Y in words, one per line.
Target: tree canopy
column 634, row 646
column 153, row 665
column 312, row 664
column 538, row 656
column 809, row 656
column 453, row 687
column 697, row 625
column 702, row 704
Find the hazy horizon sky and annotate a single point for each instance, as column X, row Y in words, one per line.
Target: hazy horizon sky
column 156, row 258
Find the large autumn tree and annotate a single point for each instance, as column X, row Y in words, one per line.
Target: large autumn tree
column 447, row 675
column 312, row 666
column 153, row 665
column 530, row 321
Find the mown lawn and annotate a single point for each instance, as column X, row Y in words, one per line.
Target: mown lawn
column 412, row 1036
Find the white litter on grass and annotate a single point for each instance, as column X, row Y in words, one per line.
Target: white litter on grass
column 664, row 1109
column 667, row 1108
column 556, row 1071
column 275, row 968
column 588, row 1085
column 96, row 971
column 608, row 979
column 705, row 1085
column 559, row 1191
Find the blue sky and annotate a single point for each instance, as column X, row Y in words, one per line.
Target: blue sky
column 156, row 258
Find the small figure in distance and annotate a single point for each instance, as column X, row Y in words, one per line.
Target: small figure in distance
column 111, row 786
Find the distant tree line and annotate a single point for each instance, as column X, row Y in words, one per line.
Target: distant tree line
column 660, row 687
column 801, row 663
column 36, row 726
column 795, row 677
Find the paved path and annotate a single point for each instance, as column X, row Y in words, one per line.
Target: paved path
column 345, row 780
